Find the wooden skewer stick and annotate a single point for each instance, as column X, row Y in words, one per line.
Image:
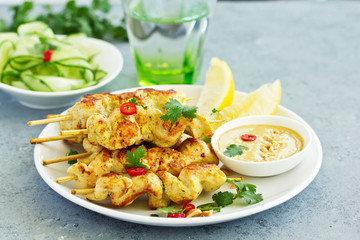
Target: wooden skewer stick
column 74, row 132
column 67, row 158
column 55, row 115
column 50, row 120
column 66, row 179
column 83, row 191
column 50, row 139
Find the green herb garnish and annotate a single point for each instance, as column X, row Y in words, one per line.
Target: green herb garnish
column 246, row 191
column 213, row 111
column 176, row 110
column 133, row 100
column 134, row 159
column 91, row 20
column 222, row 199
column 234, row 150
column 70, row 153
column 206, row 139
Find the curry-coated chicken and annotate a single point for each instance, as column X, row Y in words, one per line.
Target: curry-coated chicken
column 103, row 161
column 107, row 126
column 123, row 191
column 105, row 104
column 193, row 179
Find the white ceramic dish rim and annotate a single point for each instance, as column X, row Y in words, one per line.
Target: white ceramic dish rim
column 264, row 120
column 159, row 221
column 108, row 78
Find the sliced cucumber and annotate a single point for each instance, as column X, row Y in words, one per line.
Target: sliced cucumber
column 34, row 83
column 23, row 65
column 35, row 28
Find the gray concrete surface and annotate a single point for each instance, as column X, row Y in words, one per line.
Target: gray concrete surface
column 313, row 47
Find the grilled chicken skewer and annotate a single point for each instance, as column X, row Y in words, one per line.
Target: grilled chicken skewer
column 99, row 117
column 123, row 190
column 193, row 179
column 102, row 161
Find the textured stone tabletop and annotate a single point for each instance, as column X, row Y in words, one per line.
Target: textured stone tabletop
column 313, row 47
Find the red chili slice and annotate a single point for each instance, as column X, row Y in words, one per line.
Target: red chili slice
column 176, row 215
column 47, row 55
column 128, row 108
column 248, row 137
column 188, row 207
column 136, row 171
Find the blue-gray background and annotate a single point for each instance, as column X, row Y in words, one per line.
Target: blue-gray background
column 312, row 46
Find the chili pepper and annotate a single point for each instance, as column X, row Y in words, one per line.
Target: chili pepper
column 47, row 55
column 136, row 171
column 188, row 207
column 128, row 108
column 248, row 137
column 176, row 215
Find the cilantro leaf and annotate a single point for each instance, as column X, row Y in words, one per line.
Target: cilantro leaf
column 234, row 150
column 176, row 110
column 206, row 139
column 189, row 112
column 134, row 159
column 250, row 196
column 223, row 198
column 70, row 153
column 246, row 191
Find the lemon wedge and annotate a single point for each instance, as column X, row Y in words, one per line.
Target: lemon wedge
column 263, row 101
column 218, row 91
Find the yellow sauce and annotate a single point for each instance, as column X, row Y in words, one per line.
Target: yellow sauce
column 272, row 142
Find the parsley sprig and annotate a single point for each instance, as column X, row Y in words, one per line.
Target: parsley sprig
column 244, row 191
column 176, row 110
column 134, row 159
column 234, row 150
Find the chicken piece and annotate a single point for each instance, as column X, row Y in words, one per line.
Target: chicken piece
column 105, row 103
column 198, row 151
column 122, row 193
column 116, row 132
column 199, row 128
column 87, row 175
column 109, row 184
column 193, row 179
column 154, row 202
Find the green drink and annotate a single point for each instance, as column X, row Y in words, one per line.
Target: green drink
column 167, row 40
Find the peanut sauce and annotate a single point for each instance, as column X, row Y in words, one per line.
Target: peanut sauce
column 272, row 142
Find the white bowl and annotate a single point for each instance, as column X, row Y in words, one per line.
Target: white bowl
column 109, row 59
column 269, row 168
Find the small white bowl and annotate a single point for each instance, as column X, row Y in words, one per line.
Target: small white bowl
column 109, row 59
column 269, row 168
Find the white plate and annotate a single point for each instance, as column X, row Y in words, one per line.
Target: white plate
column 275, row 190
column 109, row 59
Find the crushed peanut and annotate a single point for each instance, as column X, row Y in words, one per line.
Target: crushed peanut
column 198, row 213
